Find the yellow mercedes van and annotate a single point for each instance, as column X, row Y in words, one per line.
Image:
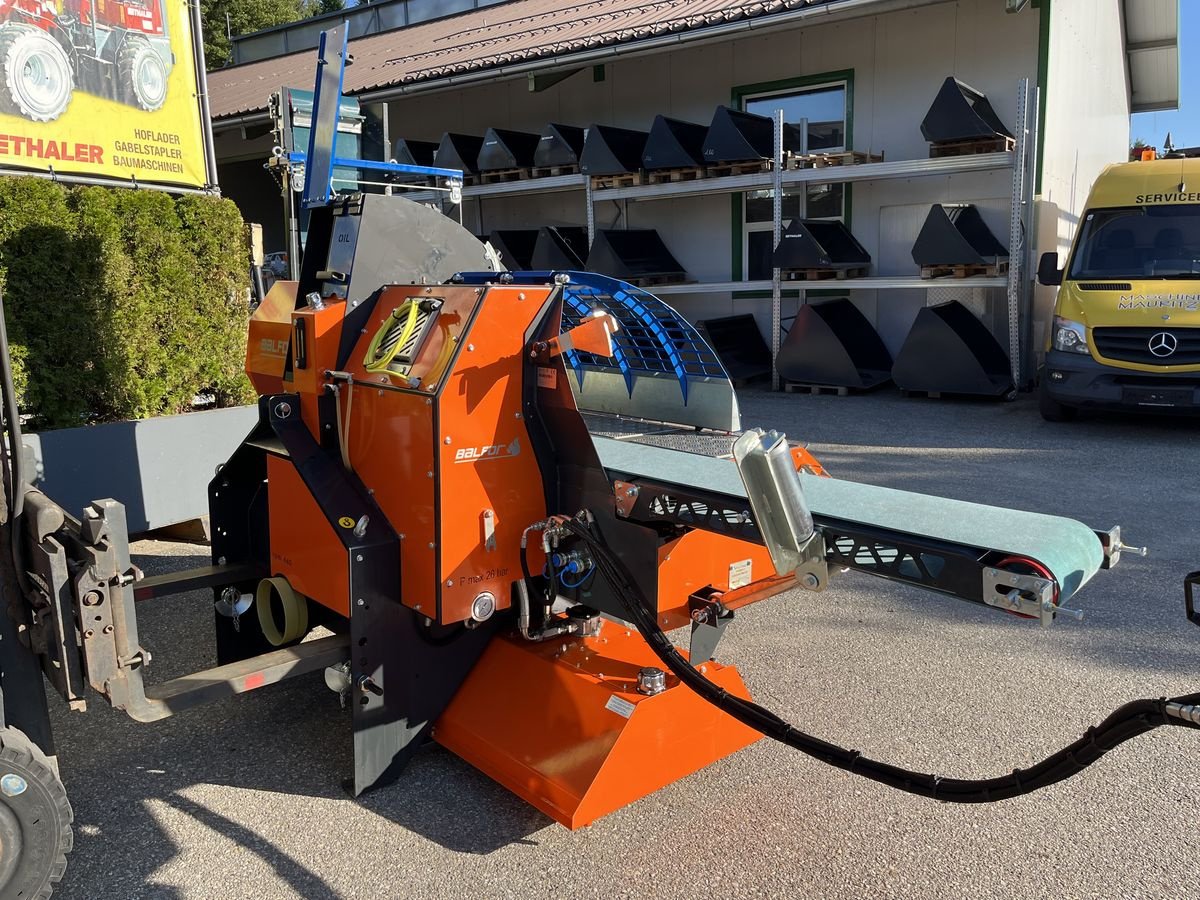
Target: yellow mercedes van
column 1126, row 329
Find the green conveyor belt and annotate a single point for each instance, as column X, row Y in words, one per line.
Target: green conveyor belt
column 1068, row 548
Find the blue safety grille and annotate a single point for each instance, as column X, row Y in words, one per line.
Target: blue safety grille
column 654, row 339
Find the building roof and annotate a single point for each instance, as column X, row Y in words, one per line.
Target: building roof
column 1152, row 53
column 487, row 38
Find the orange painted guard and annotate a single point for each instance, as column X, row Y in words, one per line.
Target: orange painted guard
column 568, row 732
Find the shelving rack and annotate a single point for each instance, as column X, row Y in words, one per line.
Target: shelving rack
column 1021, row 161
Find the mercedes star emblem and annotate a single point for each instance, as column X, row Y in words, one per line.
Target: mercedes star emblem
column 1163, row 344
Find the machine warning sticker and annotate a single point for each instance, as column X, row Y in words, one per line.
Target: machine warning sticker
column 620, row 706
column 346, row 522
column 741, row 573
column 547, row 377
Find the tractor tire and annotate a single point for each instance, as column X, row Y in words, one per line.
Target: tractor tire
column 36, row 78
column 141, row 75
column 35, row 820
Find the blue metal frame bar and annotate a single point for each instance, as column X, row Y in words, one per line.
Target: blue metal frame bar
column 341, row 162
column 318, row 181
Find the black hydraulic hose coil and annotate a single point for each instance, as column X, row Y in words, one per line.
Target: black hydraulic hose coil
column 1126, row 722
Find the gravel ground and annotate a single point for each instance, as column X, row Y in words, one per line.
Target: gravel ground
column 243, row 799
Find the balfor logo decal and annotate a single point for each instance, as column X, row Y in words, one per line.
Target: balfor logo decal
column 488, row 451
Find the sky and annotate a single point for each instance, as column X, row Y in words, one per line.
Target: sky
column 1183, row 123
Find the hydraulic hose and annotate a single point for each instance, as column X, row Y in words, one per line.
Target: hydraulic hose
column 1128, row 721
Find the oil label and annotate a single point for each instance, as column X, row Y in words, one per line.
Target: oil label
column 741, row 573
column 620, row 706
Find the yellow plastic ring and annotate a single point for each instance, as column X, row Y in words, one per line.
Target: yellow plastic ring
column 295, row 612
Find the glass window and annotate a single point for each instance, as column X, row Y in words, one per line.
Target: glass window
column 1139, row 242
column 824, row 108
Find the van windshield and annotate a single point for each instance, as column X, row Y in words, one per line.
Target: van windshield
column 1139, row 242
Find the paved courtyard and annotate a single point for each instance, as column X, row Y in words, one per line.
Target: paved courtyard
column 242, row 800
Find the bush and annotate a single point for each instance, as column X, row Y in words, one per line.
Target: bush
column 121, row 304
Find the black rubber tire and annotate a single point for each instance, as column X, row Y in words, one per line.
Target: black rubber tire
column 135, row 54
column 48, row 60
column 35, row 821
column 1051, row 409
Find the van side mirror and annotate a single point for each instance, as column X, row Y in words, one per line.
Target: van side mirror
column 1048, row 271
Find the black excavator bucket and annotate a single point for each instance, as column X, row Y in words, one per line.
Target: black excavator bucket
column 674, row 144
column 820, row 244
column 612, row 151
column 739, row 345
column 956, row 235
column 459, row 151
column 559, row 145
column 631, row 255
column 833, row 343
column 961, row 113
column 504, row 149
column 949, row 351
column 736, row 136
column 558, row 248
column 414, row 153
column 515, row 246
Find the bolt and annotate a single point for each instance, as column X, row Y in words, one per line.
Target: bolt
column 92, row 598
column 220, row 560
column 631, row 492
column 1013, row 580
column 429, row 474
column 470, row 348
column 361, row 602
column 449, row 582
column 431, row 545
column 108, row 629
column 89, row 633
column 521, row 296
column 446, row 439
column 358, row 558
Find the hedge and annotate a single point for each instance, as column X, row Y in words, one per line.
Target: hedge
column 121, row 304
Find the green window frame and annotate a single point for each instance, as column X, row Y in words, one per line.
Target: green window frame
column 738, row 97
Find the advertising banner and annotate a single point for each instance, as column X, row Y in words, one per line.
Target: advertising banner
column 102, row 88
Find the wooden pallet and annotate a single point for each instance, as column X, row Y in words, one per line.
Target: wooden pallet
column 1000, row 267
column 969, row 148
column 652, row 280
column 752, row 166
column 667, row 176
column 748, row 167
column 554, row 171
column 800, row 387
column 607, row 182
column 845, row 158
column 500, row 176
column 821, row 274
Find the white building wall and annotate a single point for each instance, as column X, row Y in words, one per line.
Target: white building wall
column 898, row 60
column 1087, row 122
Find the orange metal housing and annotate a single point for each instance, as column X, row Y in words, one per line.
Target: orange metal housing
column 304, row 548
column 444, row 448
column 270, row 332
column 562, row 725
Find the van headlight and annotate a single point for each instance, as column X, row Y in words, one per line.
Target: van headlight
column 1069, row 336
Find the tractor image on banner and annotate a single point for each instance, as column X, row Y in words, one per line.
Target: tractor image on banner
column 102, row 89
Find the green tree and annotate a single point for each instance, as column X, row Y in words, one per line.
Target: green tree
column 244, row 16
column 321, row 7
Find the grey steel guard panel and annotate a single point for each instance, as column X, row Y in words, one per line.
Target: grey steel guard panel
column 1068, row 548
